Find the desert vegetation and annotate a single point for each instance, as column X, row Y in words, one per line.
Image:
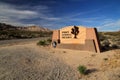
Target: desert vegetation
column 32, row 62
column 44, row 42
column 111, row 66
column 82, row 69
column 109, row 40
column 113, row 62
column 22, row 34
column 15, row 32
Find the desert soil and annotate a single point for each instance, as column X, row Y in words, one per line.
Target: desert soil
column 31, row 62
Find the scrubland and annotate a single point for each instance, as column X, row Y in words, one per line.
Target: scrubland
column 110, row 40
column 33, row 62
column 30, row 61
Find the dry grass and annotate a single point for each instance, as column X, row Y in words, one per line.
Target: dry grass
column 111, row 67
column 113, row 62
column 32, row 62
column 27, row 63
column 93, row 62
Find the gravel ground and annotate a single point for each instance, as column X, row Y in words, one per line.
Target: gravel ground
column 31, row 62
column 28, row 62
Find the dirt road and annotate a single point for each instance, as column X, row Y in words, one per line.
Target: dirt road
column 20, row 41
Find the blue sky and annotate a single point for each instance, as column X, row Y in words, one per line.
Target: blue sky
column 55, row 14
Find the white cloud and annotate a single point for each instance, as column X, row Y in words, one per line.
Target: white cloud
column 116, row 23
column 40, row 13
column 51, row 18
column 110, row 25
column 11, row 11
column 43, row 15
column 11, row 15
column 14, row 15
column 11, row 21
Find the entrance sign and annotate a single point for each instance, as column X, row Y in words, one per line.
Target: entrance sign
column 77, row 37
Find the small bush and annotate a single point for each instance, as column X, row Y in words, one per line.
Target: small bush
column 105, row 59
column 49, row 40
column 114, row 46
column 64, row 51
column 106, row 43
column 102, row 37
column 82, row 69
column 42, row 42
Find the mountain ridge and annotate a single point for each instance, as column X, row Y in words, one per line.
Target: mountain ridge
column 4, row 26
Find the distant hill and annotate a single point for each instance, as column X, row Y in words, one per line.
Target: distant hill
column 36, row 28
column 4, row 27
column 16, row 32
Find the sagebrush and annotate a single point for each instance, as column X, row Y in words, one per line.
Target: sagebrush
column 82, row 69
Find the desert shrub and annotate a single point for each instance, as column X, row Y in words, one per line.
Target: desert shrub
column 105, row 43
column 109, row 40
column 42, row 42
column 82, row 69
column 114, row 46
column 105, row 59
column 113, row 33
column 64, row 51
column 49, row 40
column 102, row 37
column 19, row 34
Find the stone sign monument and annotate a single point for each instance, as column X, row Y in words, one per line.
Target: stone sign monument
column 77, row 37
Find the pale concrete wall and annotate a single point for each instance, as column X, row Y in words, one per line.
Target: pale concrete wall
column 56, row 35
column 91, row 33
column 88, row 46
